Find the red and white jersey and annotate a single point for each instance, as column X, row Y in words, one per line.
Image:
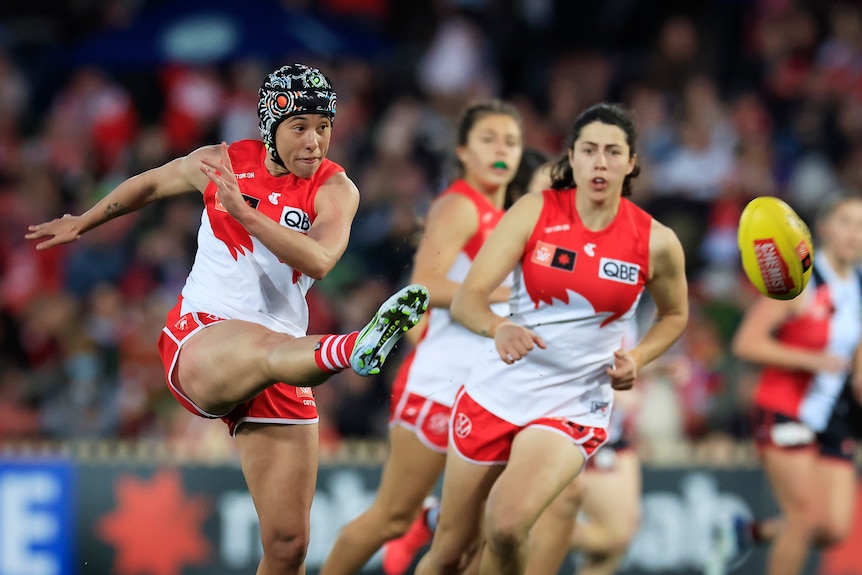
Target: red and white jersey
column 234, row 276
column 443, row 357
column 578, row 289
column 831, row 323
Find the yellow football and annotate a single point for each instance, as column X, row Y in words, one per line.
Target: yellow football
column 776, row 248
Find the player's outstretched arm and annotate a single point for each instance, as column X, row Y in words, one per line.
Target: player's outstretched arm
column 176, row 177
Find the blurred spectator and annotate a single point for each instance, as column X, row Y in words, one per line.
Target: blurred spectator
column 194, row 100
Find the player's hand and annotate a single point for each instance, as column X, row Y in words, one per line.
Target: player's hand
column 514, row 341
column 220, row 172
column 624, row 370
column 58, row 231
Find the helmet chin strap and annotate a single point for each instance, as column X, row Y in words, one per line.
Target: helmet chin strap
column 272, row 148
column 277, row 159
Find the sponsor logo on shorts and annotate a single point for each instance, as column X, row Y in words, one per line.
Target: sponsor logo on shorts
column 304, row 392
column 462, row 425
column 551, row 256
column 599, row 407
column 438, row 424
column 295, row 219
column 619, row 271
column 245, row 175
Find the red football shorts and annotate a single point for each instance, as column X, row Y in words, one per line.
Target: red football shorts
column 279, row 403
column 428, row 419
column 481, row 437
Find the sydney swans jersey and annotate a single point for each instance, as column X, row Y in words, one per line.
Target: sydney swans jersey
column 578, row 289
column 234, row 276
column 830, row 323
column 444, row 356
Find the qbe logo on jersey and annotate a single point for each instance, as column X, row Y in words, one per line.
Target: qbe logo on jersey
column 295, row 219
column 36, row 529
column 619, row 271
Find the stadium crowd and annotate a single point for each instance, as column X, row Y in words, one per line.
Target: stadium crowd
column 733, row 100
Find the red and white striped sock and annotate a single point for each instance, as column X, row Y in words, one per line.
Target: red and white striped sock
column 332, row 353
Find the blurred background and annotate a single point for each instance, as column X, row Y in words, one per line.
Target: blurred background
column 733, row 99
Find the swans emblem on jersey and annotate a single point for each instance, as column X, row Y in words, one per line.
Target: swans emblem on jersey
column 463, row 426
column 590, row 249
column 551, row 256
column 273, row 198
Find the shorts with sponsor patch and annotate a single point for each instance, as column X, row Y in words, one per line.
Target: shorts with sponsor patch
column 481, row 437
column 428, row 419
column 777, row 430
column 280, row 403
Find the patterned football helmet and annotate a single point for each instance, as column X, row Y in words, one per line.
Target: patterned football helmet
column 291, row 90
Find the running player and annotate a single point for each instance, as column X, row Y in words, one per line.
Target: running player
column 537, row 402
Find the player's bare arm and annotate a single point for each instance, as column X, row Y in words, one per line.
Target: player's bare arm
column 498, row 256
column 755, row 341
column 176, row 177
column 669, row 290
column 451, row 222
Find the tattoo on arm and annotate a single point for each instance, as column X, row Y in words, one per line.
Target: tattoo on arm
column 115, row 209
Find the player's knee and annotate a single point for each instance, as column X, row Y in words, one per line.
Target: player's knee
column 285, row 549
column 631, row 527
column 831, row 533
column 619, row 537
column 618, row 541
column 505, row 532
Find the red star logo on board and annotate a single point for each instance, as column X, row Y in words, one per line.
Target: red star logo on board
column 155, row 528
